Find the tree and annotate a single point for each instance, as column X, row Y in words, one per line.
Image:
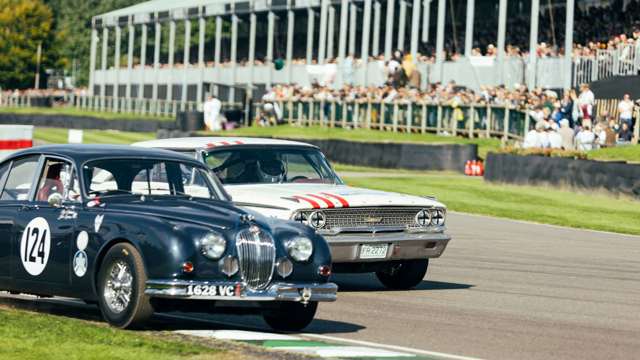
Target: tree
column 24, row 24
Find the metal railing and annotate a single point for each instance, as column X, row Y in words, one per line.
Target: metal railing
column 623, row 61
column 474, row 120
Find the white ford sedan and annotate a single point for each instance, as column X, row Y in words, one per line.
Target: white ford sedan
column 393, row 235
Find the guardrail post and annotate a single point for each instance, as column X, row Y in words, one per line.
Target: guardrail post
column 310, row 120
column 423, row 119
column 505, row 127
column 356, row 114
column 395, row 116
column 527, row 123
column 332, row 119
column 382, row 116
column 453, row 122
column 290, row 107
column 321, row 113
column 439, row 123
column 368, row 114
column 472, row 120
column 636, row 128
column 489, row 120
column 409, row 118
column 344, row 114
column 300, row 114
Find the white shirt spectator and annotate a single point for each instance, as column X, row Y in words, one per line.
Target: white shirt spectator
column 585, row 140
column 212, row 109
column 625, row 108
column 555, row 140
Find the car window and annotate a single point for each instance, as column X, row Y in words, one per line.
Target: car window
column 58, row 177
column 147, row 177
column 4, row 171
column 20, row 179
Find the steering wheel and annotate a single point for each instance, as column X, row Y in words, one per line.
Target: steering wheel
column 298, row 178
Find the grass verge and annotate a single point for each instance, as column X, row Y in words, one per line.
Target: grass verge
column 316, row 132
column 630, row 153
column 60, row 136
column 71, row 111
column 26, row 335
column 596, row 211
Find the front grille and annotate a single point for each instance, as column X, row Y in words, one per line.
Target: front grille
column 364, row 218
column 257, row 255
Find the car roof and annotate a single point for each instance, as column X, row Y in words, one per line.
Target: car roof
column 194, row 143
column 83, row 153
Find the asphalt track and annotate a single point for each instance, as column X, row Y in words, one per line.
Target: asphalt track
column 502, row 290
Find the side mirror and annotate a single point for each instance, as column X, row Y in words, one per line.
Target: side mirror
column 55, row 200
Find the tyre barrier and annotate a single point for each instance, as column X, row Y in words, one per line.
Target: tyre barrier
column 614, row 177
column 14, row 138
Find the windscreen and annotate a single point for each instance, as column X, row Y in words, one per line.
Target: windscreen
column 147, row 177
column 250, row 165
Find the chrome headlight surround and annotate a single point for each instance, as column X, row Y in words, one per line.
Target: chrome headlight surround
column 438, row 217
column 213, row 245
column 299, row 248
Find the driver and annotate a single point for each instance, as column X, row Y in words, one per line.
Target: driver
column 271, row 169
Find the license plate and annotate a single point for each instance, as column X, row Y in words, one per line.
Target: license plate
column 211, row 290
column 374, row 251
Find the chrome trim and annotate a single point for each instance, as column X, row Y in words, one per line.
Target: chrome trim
column 257, row 257
column 285, row 291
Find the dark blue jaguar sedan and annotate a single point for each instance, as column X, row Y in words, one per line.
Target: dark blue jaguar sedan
column 141, row 230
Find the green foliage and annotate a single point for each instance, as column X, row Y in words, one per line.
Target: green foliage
column 23, row 25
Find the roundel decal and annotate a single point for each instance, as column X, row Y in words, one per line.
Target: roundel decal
column 35, row 246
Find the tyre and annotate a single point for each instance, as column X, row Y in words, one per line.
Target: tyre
column 290, row 316
column 406, row 275
column 121, row 285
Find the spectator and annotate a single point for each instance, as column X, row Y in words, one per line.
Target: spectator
column 211, row 110
column 555, row 139
column 625, row 109
column 585, row 139
column 586, row 100
column 625, row 135
column 611, row 134
column 567, row 135
column 535, row 138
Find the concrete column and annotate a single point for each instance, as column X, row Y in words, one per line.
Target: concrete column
column 468, row 33
column 143, row 60
column 440, row 39
column 322, row 46
column 172, row 44
column 353, row 23
column 502, row 28
column 218, row 42
column 377, row 9
column 342, row 36
column 234, row 54
column 568, row 45
column 130, row 45
column 185, row 63
column 271, row 23
column 388, row 30
column 92, row 60
column 533, row 43
column 105, row 47
column 426, row 21
column 364, row 52
column 252, row 46
column 290, row 29
column 331, row 32
column 311, row 17
column 402, row 24
column 202, row 27
column 415, row 29
column 116, row 66
column 156, row 60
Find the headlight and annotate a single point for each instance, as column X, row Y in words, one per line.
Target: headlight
column 438, row 217
column 213, row 245
column 423, row 218
column 300, row 248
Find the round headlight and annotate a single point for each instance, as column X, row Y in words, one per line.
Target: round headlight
column 213, row 245
column 300, row 248
column 423, row 218
column 437, row 217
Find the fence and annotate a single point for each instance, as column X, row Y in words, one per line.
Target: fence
column 476, row 120
column 623, row 61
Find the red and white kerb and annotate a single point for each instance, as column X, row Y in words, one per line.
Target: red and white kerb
column 14, row 138
column 322, row 200
column 224, row 143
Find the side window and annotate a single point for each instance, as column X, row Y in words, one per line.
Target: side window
column 4, row 171
column 20, row 179
column 57, row 178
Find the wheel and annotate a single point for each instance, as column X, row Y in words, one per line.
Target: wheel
column 291, row 316
column 405, row 275
column 121, row 284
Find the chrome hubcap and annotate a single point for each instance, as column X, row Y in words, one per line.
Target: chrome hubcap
column 118, row 287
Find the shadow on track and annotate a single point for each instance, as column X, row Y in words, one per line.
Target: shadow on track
column 77, row 309
column 369, row 282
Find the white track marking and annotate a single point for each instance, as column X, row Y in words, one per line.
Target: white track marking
column 343, row 351
column 440, row 355
column 238, row 335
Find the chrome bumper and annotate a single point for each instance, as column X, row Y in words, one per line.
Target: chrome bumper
column 302, row 292
column 345, row 248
